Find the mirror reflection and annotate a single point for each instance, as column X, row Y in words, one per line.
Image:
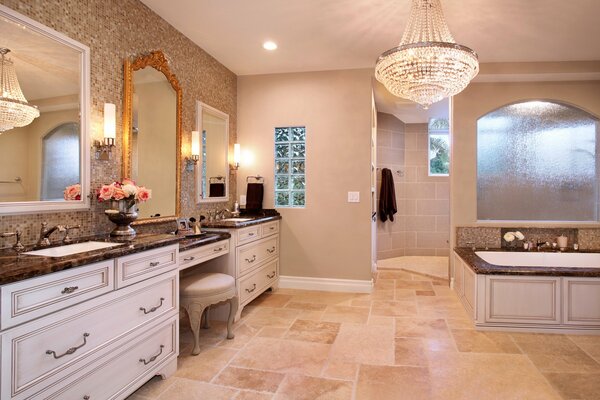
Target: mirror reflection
column 213, row 182
column 40, row 156
column 152, row 134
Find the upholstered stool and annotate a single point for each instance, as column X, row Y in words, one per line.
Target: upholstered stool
column 198, row 292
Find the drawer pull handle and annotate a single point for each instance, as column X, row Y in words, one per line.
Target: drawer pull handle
column 153, row 308
column 71, row 350
column 271, row 276
column 218, row 249
column 69, row 289
column 251, row 260
column 143, row 360
column 271, row 250
column 272, row 228
column 154, row 263
column 251, row 290
column 86, row 397
column 192, row 258
column 251, row 234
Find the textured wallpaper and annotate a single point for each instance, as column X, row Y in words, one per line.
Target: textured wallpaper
column 115, row 30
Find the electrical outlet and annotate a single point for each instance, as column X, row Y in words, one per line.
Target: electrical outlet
column 353, row 197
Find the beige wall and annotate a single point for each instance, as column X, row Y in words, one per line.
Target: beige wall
column 330, row 238
column 114, row 30
column 481, row 98
column 421, row 226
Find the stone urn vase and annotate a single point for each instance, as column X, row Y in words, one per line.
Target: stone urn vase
column 122, row 213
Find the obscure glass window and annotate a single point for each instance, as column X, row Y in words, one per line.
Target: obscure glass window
column 537, row 161
column 439, row 147
column 290, row 166
column 60, row 160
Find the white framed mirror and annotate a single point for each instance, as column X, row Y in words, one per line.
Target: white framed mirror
column 212, row 170
column 41, row 158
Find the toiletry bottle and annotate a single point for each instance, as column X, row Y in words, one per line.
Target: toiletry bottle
column 236, row 207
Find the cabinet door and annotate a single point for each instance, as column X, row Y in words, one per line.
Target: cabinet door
column 458, row 275
column 581, row 303
column 525, row 299
column 469, row 289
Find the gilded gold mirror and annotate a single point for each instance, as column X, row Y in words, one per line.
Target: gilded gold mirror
column 152, row 134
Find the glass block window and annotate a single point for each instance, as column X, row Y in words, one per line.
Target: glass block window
column 439, row 147
column 537, row 161
column 290, row 166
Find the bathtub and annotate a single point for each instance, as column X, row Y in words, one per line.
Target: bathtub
column 522, row 259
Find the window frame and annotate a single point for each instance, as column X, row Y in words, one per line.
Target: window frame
column 290, row 162
column 444, row 130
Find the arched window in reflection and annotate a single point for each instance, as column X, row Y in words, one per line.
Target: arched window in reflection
column 537, row 161
column 60, row 160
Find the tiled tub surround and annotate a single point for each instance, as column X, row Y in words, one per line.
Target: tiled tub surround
column 527, row 298
column 114, row 30
column 491, row 237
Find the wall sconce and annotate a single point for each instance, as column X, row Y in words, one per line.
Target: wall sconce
column 237, row 155
column 104, row 149
column 190, row 162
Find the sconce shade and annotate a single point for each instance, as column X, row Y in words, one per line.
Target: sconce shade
column 110, row 121
column 195, row 143
column 237, row 154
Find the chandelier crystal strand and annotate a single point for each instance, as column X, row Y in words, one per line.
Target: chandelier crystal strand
column 15, row 112
column 428, row 65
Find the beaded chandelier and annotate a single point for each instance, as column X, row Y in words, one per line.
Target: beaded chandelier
column 15, row 112
column 428, row 65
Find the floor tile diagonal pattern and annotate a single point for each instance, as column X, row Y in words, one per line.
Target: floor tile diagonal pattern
column 409, row 339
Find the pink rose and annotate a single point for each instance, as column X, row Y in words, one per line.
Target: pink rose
column 73, row 192
column 119, row 194
column 106, row 192
column 127, row 181
column 143, row 194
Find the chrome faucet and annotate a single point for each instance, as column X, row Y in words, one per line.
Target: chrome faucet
column 18, row 246
column 69, row 228
column 45, row 233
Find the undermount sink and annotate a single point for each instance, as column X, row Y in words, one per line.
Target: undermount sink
column 69, row 249
column 236, row 219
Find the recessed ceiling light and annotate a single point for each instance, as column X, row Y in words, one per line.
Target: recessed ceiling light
column 269, row 45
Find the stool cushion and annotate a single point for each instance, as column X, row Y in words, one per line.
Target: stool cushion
column 206, row 284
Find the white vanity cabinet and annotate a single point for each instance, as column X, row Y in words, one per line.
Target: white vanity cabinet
column 253, row 260
column 93, row 332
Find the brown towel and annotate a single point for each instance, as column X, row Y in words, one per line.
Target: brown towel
column 387, row 196
column 216, row 190
column 254, row 196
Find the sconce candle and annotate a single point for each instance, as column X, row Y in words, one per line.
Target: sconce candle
column 195, row 145
column 110, row 133
column 237, row 155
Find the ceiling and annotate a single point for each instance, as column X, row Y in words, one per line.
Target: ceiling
column 317, row 35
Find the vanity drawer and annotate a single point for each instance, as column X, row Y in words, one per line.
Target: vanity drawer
column 249, row 234
column 79, row 334
column 32, row 298
column 253, row 284
column 124, row 366
column 195, row 256
column 254, row 254
column 137, row 267
column 270, row 228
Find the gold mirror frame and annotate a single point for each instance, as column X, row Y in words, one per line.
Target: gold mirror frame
column 157, row 60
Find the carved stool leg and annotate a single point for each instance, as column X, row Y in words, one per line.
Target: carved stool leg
column 233, row 306
column 205, row 318
column 195, row 312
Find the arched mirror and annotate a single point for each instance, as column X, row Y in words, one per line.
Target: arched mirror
column 44, row 126
column 152, row 134
column 213, row 168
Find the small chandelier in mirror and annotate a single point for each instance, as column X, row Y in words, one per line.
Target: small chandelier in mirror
column 428, row 65
column 15, row 112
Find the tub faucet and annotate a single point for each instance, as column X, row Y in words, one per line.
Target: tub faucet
column 45, row 233
column 541, row 245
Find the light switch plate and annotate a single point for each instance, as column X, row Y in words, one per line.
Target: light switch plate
column 353, row 197
column 242, row 200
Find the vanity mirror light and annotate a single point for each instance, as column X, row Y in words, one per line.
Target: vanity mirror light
column 152, row 134
column 41, row 158
column 212, row 178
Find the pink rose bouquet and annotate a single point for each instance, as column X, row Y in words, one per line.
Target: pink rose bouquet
column 125, row 190
column 72, row 192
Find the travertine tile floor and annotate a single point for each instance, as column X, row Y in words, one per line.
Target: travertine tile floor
column 410, row 339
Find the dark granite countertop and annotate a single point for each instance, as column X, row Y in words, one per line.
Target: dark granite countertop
column 15, row 267
column 255, row 219
column 479, row 266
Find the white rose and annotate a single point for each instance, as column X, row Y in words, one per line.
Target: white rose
column 509, row 236
column 130, row 190
column 519, row 235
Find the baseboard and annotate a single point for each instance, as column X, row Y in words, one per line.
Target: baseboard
column 325, row 284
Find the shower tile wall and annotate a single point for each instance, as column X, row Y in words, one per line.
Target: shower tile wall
column 421, row 226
